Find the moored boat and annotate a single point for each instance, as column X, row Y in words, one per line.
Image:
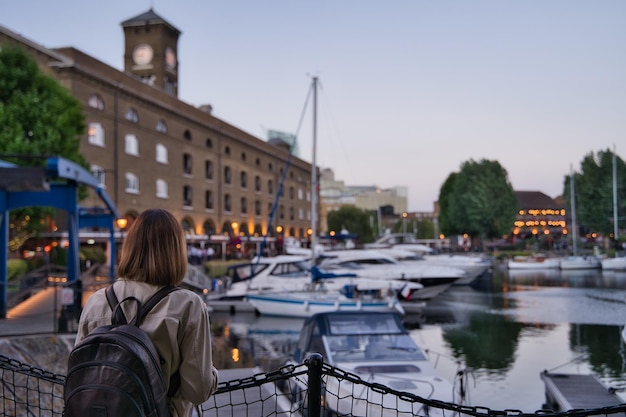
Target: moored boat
column 307, row 303
column 536, row 261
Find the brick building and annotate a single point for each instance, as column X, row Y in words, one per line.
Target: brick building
column 150, row 149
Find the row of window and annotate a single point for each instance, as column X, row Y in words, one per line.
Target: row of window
column 131, row 147
column 96, row 132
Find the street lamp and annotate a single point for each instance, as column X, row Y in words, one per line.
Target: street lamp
column 404, row 215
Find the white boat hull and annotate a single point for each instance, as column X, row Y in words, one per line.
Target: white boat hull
column 303, row 305
column 579, row 262
column 614, row 264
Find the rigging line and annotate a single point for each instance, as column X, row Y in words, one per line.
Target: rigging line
column 339, row 136
column 282, row 181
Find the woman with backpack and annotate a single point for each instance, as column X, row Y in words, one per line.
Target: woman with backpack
column 154, row 257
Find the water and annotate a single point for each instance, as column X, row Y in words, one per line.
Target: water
column 506, row 329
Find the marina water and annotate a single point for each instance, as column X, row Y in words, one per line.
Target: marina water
column 505, row 329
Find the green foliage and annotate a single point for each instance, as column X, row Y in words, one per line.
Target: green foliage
column 593, row 188
column 95, row 254
column 479, row 201
column 355, row 220
column 425, row 228
column 39, row 118
column 17, row 267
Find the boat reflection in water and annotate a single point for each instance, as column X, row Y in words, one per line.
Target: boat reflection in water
column 507, row 328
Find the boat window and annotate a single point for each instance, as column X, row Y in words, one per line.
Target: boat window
column 380, row 347
column 291, row 269
column 363, row 324
column 245, row 271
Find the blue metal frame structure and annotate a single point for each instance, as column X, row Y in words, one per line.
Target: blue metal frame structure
column 63, row 195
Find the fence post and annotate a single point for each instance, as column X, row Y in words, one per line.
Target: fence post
column 315, row 362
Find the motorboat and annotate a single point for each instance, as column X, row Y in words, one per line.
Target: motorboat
column 404, row 241
column 293, row 274
column 376, row 265
column 580, row 262
column 614, row 264
column 535, row 261
column 378, row 348
column 309, row 302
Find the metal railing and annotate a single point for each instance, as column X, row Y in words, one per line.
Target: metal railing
column 310, row 389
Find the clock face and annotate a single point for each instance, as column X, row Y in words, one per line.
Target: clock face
column 142, row 55
column 170, row 58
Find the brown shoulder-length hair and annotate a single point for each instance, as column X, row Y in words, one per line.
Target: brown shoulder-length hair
column 154, row 250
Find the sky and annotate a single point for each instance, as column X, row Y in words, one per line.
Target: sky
column 409, row 90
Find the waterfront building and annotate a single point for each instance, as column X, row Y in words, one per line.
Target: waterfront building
column 539, row 216
column 148, row 148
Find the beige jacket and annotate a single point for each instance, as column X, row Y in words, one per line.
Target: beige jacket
column 180, row 329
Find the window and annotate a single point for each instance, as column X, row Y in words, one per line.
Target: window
column 187, row 195
column 227, row 150
column 281, row 212
column 270, row 187
column 96, row 102
column 243, row 156
column 131, row 144
column 258, row 161
column 187, row 164
column 300, row 214
column 132, row 183
column 257, row 208
column 131, row 115
column 227, row 202
column 244, row 205
column 291, row 213
column 300, row 193
column 161, row 154
column 227, row 175
column 161, row 189
column 208, row 169
column 208, row 199
column 161, row 126
column 209, row 228
column 291, row 193
column 187, row 135
column 96, row 134
column 209, row 143
column 244, row 179
column 257, row 183
column 98, row 173
column 170, row 86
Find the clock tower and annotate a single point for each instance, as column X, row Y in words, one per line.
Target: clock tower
column 151, row 50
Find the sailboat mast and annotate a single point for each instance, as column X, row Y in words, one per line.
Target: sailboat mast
column 615, row 227
column 573, row 201
column 314, row 185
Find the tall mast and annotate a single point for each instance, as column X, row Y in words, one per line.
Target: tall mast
column 615, row 217
column 573, row 208
column 314, row 185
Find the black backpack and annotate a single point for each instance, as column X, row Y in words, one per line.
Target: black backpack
column 116, row 370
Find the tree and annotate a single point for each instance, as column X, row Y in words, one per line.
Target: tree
column 594, row 192
column 38, row 118
column 479, row 201
column 355, row 220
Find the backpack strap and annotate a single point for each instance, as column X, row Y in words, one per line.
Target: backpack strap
column 119, row 317
column 154, row 300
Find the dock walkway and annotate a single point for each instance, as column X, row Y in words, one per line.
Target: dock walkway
column 576, row 391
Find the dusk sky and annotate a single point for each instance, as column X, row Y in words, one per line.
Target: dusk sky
column 410, row 89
